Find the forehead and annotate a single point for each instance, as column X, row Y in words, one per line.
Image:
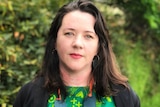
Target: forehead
column 78, row 20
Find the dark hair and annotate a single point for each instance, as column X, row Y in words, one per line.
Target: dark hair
column 105, row 71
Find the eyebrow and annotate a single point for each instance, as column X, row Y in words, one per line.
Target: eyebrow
column 90, row 32
column 69, row 29
column 87, row 31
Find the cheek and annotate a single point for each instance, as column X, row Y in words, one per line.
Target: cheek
column 93, row 49
column 96, row 47
column 61, row 46
column 58, row 45
column 59, row 42
column 60, row 51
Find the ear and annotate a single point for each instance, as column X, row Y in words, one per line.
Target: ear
column 95, row 61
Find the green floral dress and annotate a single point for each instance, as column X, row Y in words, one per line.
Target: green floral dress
column 76, row 98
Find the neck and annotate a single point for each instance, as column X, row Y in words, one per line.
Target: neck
column 76, row 78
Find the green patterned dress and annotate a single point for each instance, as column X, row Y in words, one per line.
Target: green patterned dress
column 76, row 98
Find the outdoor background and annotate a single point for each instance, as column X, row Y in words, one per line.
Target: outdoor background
column 134, row 27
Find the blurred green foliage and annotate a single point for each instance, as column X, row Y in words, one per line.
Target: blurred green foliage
column 135, row 34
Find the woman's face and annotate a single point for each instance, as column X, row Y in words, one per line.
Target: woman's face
column 77, row 42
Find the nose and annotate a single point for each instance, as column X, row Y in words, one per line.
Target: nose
column 78, row 42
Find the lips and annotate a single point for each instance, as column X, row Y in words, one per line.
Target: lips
column 75, row 55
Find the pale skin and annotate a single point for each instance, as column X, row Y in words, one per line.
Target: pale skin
column 76, row 45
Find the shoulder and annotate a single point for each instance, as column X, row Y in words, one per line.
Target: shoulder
column 29, row 92
column 33, row 85
column 125, row 97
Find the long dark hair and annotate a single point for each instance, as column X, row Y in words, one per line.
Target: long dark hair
column 105, row 71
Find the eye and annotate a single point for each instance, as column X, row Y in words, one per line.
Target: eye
column 89, row 36
column 69, row 33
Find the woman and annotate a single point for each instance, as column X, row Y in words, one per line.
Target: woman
column 79, row 67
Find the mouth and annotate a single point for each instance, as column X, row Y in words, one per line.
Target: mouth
column 75, row 55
